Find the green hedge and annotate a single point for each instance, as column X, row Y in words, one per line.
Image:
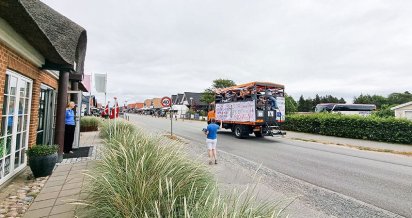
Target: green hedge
column 358, row 127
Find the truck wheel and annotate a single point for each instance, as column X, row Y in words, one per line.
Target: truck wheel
column 240, row 131
column 258, row 134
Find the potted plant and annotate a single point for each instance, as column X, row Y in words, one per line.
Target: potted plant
column 42, row 159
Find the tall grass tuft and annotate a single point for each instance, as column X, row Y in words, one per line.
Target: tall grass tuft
column 89, row 124
column 142, row 175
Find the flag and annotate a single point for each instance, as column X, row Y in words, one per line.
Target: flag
column 87, row 79
column 100, row 82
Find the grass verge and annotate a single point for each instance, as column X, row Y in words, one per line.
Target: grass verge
column 363, row 148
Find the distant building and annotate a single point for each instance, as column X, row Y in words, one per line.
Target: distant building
column 403, row 110
column 147, row 103
column 157, row 103
column 192, row 100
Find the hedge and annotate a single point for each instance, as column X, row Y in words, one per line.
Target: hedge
column 352, row 126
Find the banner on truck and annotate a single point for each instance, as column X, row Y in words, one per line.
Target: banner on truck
column 280, row 113
column 236, row 111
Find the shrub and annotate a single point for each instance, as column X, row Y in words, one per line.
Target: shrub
column 89, row 124
column 148, row 176
column 358, row 127
column 41, row 150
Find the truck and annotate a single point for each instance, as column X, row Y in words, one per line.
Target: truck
column 255, row 107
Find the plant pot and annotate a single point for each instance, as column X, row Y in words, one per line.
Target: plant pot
column 43, row 165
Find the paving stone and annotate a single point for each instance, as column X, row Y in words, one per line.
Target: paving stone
column 72, row 185
column 69, row 214
column 74, row 180
column 44, row 212
column 46, row 196
column 67, row 199
column 63, row 208
column 42, row 204
column 50, row 189
column 57, row 178
column 54, row 183
column 70, row 192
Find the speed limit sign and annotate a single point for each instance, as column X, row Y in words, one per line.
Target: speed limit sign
column 166, row 101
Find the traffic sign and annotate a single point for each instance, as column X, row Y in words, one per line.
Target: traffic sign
column 166, row 101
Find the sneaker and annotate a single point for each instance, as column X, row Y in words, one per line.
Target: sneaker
column 71, row 152
column 210, row 162
column 215, row 161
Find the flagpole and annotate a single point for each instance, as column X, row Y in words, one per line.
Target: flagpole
column 90, row 92
column 105, row 90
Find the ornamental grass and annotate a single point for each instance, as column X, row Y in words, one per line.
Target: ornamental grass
column 143, row 175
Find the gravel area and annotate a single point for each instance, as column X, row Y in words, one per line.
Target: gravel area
column 17, row 196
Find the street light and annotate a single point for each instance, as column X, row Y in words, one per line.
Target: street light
column 191, row 106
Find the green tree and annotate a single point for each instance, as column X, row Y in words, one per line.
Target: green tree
column 208, row 96
column 385, row 111
column 290, row 104
column 399, row 98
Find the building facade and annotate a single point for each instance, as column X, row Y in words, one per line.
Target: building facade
column 38, row 56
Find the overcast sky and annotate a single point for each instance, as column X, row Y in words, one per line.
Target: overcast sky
column 156, row 48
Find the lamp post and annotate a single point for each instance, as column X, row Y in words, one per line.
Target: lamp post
column 191, row 107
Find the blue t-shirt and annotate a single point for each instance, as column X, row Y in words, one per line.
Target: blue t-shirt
column 70, row 117
column 212, row 131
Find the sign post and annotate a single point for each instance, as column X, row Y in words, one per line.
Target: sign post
column 167, row 102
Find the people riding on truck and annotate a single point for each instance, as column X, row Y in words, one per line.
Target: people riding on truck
column 256, row 107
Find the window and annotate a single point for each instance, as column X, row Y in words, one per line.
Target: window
column 15, row 121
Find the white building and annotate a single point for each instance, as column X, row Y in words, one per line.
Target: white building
column 403, row 110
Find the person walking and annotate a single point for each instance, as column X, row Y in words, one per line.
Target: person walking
column 69, row 128
column 211, row 140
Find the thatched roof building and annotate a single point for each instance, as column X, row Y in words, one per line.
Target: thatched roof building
column 61, row 41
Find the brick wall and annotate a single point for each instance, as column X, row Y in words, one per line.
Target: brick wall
column 10, row 60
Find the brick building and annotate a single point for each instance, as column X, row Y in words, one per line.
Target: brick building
column 41, row 52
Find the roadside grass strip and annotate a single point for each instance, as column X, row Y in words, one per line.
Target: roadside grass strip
column 143, row 175
column 363, row 148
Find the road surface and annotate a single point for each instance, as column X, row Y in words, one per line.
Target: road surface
column 379, row 180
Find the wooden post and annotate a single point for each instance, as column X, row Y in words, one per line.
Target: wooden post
column 61, row 111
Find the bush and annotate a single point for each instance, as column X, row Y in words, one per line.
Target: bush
column 89, row 124
column 358, row 127
column 41, row 150
column 148, row 176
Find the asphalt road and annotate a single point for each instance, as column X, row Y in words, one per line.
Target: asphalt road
column 379, row 179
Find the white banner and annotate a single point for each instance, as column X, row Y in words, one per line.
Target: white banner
column 100, row 81
column 280, row 113
column 236, row 111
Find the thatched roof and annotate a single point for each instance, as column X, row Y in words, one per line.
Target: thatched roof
column 61, row 41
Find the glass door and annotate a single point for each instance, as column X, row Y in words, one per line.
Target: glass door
column 15, row 121
column 45, row 121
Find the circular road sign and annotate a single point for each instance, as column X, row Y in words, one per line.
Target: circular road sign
column 166, row 102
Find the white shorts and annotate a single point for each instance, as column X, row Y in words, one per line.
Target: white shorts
column 211, row 143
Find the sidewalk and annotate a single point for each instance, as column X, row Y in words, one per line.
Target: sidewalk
column 65, row 185
column 347, row 141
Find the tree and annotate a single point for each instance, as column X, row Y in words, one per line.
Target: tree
column 399, row 98
column 208, row 96
column 301, row 104
column 342, row 101
column 290, row 104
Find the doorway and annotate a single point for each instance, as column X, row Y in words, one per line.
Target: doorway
column 15, row 122
column 46, row 115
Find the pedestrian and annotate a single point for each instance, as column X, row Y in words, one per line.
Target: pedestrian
column 69, row 128
column 211, row 140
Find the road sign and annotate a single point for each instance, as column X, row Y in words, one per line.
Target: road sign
column 166, row 102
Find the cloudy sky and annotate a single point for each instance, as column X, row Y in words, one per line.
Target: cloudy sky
column 153, row 48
